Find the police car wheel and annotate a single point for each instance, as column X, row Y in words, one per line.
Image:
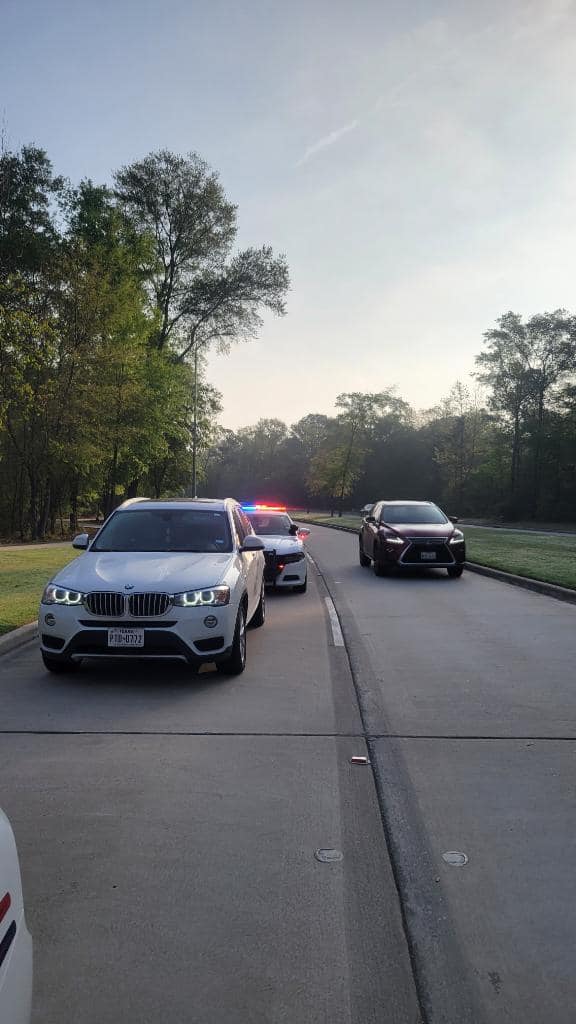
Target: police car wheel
column 301, row 588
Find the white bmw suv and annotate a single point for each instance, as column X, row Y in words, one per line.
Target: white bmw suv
column 178, row 579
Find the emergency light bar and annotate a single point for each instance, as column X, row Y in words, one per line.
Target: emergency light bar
column 263, row 508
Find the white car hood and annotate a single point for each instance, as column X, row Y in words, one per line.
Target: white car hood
column 165, row 572
column 282, row 544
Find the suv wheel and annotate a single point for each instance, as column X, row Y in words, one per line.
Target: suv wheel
column 62, row 664
column 235, row 664
column 380, row 568
column 364, row 560
column 259, row 616
column 455, row 570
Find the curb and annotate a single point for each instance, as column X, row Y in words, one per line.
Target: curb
column 526, row 582
column 18, row 637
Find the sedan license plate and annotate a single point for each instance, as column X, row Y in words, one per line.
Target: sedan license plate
column 125, row 638
column 428, row 556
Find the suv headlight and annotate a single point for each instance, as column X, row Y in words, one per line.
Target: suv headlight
column 391, row 538
column 61, row 595
column 457, row 537
column 201, row 598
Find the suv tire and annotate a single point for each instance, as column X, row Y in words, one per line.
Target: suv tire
column 259, row 617
column 59, row 665
column 380, row 568
column 455, row 571
column 364, row 560
column 235, row 663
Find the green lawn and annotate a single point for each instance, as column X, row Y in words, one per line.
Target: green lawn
column 351, row 521
column 543, row 557
column 539, row 556
column 24, row 573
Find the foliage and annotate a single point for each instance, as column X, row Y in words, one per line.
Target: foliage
column 101, row 296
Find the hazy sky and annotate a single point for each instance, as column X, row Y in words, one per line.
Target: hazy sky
column 415, row 161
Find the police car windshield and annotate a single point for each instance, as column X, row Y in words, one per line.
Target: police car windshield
column 268, row 524
column 155, row 529
column 411, row 514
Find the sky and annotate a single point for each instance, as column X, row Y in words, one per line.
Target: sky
column 416, row 163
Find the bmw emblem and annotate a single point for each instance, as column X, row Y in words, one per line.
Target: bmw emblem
column 128, row 586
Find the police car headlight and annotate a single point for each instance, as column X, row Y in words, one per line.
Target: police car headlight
column 61, row 595
column 202, row 598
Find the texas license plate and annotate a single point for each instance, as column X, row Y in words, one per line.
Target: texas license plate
column 428, row 556
column 125, row 638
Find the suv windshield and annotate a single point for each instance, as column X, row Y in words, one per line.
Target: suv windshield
column 411, row 514
column 165, row 529
column 267, row 525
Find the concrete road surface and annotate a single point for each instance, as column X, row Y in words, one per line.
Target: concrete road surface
column 468, row 695
column 167, row 824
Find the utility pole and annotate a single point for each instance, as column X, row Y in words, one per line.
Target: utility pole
column 195, row 434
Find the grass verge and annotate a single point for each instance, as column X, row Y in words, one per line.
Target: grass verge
column 24, row 573
column 536, row 556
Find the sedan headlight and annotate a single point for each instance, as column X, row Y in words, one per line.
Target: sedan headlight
column 457, row 537
column 61, row 595
column 202, row 598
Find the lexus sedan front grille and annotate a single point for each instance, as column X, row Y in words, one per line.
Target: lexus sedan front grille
column 104, row 603
column 145, row 606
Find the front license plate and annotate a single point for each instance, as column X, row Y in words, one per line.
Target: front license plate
column 428, row 556
column 125, row 638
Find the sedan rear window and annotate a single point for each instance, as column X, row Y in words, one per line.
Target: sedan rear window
column 411, row 514
column 165, row 530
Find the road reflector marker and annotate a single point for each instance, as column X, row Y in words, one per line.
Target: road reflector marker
column 455, row 858
column 328, row 856
column 334, row 622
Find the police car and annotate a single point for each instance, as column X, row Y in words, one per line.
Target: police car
column 284, row 553
column 15, row 941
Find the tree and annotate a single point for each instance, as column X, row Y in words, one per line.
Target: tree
column 523, row 364
column 202, row 294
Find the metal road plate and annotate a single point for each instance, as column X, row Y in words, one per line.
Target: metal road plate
column 428, row 556
column 125, row 638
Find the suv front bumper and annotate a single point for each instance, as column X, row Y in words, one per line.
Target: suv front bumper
column 180, row 633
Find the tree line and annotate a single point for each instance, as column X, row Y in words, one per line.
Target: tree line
column 110, row 297
column 504, row 447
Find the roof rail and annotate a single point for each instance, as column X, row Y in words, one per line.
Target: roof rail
column 131, row 501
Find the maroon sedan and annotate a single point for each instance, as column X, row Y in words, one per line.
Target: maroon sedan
column 411, row 535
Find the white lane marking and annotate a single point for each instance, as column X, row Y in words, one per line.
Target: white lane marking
column 336, row 631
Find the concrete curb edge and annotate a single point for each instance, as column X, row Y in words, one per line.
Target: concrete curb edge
column 18, row 637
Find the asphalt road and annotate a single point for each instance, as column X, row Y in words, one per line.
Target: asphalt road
column 167, row 825
column 467, row 689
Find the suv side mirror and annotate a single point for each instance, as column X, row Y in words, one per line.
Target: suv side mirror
column 81, row 541
column 369, row 519
column 453, row 519
column 252, row 543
